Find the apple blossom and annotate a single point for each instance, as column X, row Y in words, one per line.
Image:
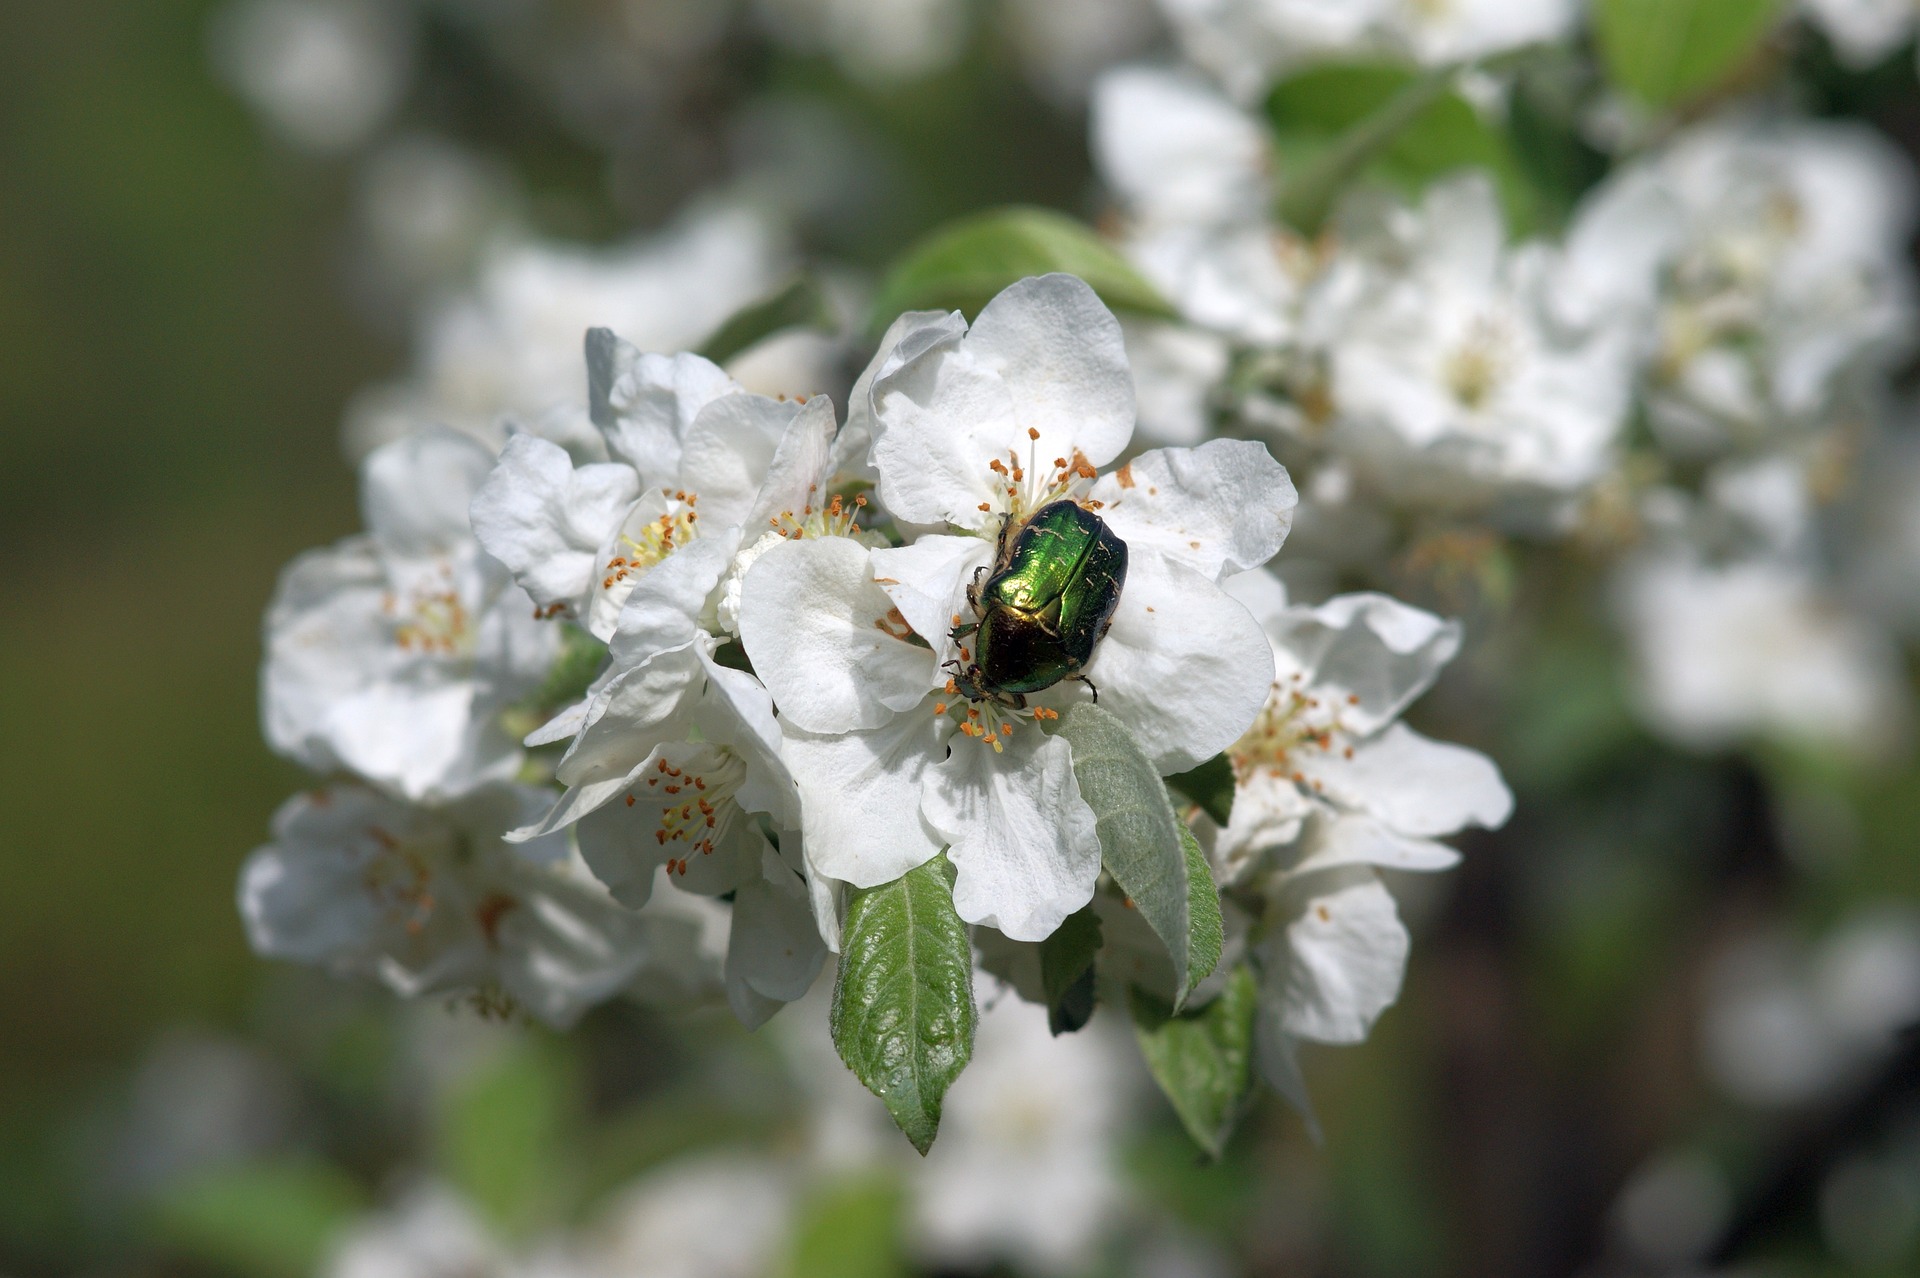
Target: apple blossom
column 976, row 427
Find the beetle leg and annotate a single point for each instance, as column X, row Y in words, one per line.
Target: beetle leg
column 961, row 632
column 1090, row 686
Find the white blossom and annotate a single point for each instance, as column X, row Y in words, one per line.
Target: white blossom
column 1330, row 788
column 325, row 74
column 1756, row 648
column 1447, row 381
column 1765, row 261
column 392, row 654
column 693, row 461
column 430, row 900
column 974, row 427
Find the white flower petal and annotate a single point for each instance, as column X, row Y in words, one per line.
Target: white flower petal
column 1369, row 646
column 1058, row 350
column 546, row 521
column 1185, row 666
column 1044, row 356
column 667, row 605
column 610, row 583
column 774, row 948
column 625, row 843
column 414, row 492
column 650, row 406
column 1174, row 148
column 801, row 464
column 939, row 418
column 1412, row 784
column 727, row 451
column 927, row 580
column 1022, row 839
column 1338, row 964
column 1224, row 507
column 650, row 703
column 1351, row 839
column 1268, row 812
column 905, row 339
column 814, row 625
column 860, row 797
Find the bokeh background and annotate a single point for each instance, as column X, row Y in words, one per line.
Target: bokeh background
column 190, row 296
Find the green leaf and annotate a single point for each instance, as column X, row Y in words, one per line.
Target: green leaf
column 903, row 1015
column 852, row 1230
column 1662, row 51
column 1203, row 1060
column 268, row 1220
column 963, row 264
column 1333, row 123
column 1140, row 837
column 800, row 304
column 503, row 1131
column 1066, row 971
column 1210, row 786
column 1206, row 928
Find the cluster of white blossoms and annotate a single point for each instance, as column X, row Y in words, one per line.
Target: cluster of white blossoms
column 636, row 710
column 1685, row 376
column 664, row 678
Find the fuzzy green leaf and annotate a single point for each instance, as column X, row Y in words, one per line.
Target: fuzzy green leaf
column 1210, row 786
column 1066, row 971
column 1663, row 51
column 1140, row 837
column 903, row 1014
column 1206, row 928
column 1203, row 1059
column 963, row 264
column 800, row 304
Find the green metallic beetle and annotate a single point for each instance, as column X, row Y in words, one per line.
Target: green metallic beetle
column 1047, row 602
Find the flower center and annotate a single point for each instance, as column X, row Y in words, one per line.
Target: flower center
column 1294, row 724
column 400, row 879
column 1474, row 370
column 655, row 541
column 429, row 617
column 1028, row 487
column 695, row 799
column 989, row 720
column 838, row 518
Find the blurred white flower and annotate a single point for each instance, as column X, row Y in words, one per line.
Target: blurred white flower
column 712, row 1215
column 1447, row 380
column 393, row 653
column 1027, row 1166
column 427, row 206
column 430, row 1233
column 430, row 900
column 1863, row 31
column 1756, row 648
column 1784, row 1024
column 509, row 352
column 324, row 74
column 1767, row 257
column 1248, row 44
